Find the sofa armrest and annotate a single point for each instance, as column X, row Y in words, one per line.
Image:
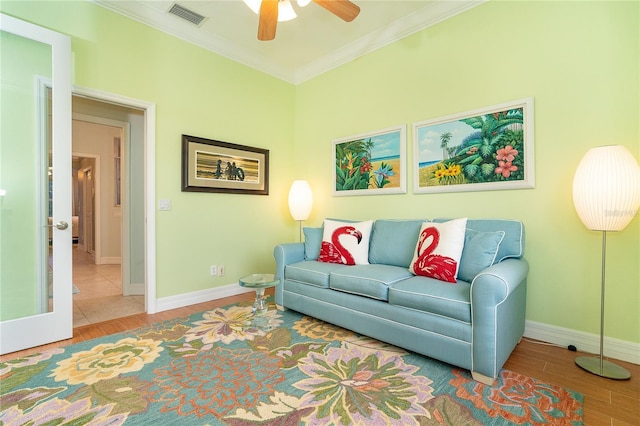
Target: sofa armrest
column 498, row 305
column 495, row 283
column 285, row 254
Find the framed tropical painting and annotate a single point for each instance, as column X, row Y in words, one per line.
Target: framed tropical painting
column 481, row 150
column 370, row 163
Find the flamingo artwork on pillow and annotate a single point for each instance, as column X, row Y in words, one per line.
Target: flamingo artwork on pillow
column 433, row 265
column 334, row 251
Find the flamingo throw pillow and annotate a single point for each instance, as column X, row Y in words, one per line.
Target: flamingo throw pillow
column 345, row 242
column 439, row 250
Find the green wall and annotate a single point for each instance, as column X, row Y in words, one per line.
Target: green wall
column 578, row 60
column 580, row 63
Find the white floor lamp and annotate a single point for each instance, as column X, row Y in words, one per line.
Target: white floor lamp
column 300, row 201
column 606, row 194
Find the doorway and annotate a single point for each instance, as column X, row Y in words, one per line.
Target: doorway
column 105, row 149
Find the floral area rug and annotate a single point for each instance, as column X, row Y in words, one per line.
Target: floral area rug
column 217, row 368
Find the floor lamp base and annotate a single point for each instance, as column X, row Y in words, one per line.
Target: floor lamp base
column 608, row 370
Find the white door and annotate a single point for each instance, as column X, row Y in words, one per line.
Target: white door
column 35, row 164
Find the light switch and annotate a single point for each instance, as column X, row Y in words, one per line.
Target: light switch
column 164, row 204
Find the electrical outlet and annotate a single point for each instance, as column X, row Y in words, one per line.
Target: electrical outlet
column 213, row 270
column 221, row 270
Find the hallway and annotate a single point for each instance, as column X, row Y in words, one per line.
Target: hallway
column 100, row 296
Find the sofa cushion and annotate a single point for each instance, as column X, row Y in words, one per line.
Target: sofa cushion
column 512, row 244
column 368, row 280
column 393, row 241
column 345, row 242
column 311, row 272
column 479, row 252
column 312, row 241
column 439, row 248
column 433, row 296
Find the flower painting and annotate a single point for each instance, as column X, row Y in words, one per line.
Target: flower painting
column 487, row 149
column 371, row 163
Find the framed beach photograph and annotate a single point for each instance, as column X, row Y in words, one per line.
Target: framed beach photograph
column 481, row 150
column 370, row 163
column 216, row 166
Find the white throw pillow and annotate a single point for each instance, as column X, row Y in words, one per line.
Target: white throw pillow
column 439, row 250
column 345, row 242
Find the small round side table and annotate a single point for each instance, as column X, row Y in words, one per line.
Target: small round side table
column 259, row 282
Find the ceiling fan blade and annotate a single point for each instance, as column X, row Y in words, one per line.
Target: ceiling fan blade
column 268, row 20
column 343, row 9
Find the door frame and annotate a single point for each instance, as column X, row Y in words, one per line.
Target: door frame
column 149, row 109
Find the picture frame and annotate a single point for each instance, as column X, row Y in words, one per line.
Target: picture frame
column 485, row 149
column 370, row 163
column 216, row 166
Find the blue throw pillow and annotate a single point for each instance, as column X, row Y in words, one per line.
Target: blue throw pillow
column 479, row 252
column 312, row 242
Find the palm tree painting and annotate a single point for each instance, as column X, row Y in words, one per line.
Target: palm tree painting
column 370, row 163
column 444, row 143
column 486, row 149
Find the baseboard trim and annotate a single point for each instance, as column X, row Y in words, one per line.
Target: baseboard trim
column 585, row 342
column 194, row 297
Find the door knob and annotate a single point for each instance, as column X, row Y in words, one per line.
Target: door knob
column 61, row 225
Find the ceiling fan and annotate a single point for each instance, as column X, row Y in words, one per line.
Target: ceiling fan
column 343, row 9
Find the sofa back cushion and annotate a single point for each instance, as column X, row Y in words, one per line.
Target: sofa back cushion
column 393, row 242
column 512, row 245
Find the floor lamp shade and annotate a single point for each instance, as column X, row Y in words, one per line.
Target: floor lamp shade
column 606, row 188
column 300, row 200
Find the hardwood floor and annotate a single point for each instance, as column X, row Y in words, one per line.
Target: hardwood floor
column 606, row 402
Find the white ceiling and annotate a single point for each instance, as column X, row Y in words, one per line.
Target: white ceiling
column 313, row 43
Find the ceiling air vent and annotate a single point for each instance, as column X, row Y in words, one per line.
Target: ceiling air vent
column 186, row 14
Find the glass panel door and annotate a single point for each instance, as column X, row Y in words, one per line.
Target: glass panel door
column 35, row 164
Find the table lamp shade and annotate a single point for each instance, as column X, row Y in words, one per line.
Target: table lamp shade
column 300, row 200
column 606, row 188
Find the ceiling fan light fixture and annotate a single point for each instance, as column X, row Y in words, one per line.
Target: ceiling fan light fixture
column 285, row 11
column 273, row 11
column 303, row 3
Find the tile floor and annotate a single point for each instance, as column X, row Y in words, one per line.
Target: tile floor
column 100, row 297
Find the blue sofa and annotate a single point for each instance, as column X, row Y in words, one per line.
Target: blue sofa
column 474, row 323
